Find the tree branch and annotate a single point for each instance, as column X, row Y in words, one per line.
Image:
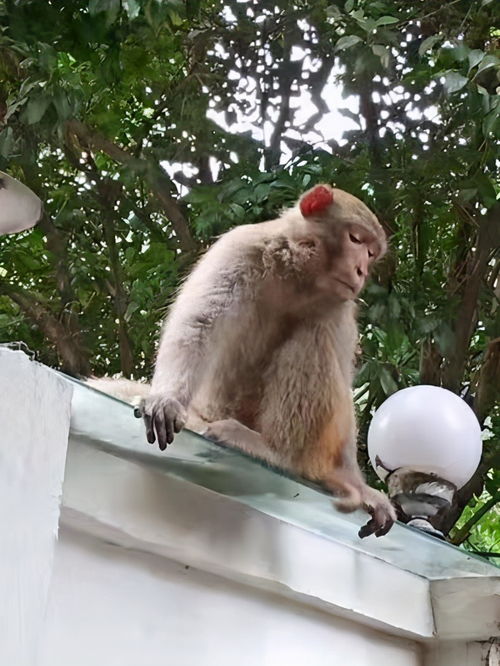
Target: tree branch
column 488, row 238
column 158, row 182
column 58, row 257
column 286, row 76
column 67, row 347
column 461, row 535
column 488, row 389
column 107, row 193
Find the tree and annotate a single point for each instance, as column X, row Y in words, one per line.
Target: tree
column 147, row 128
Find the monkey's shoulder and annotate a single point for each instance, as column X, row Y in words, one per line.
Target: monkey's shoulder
column 246, row 243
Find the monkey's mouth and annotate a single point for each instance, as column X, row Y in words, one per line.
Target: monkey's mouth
column 346, row 284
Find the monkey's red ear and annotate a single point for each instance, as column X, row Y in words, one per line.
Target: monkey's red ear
column 315, row 201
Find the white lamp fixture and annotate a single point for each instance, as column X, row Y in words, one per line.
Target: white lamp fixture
column 425, row 442
column 20, row 208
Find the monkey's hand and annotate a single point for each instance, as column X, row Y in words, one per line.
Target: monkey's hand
column 383, row 514
column 163, row 416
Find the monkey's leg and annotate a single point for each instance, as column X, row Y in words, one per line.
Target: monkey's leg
column 235, row 434
column 348, row 478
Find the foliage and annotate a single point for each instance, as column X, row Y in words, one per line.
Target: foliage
column 149, row 127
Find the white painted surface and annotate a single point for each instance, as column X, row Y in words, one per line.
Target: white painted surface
column 113, row 607
column 274, row 575
column 141, row 507
column 34, row 426
column 468, row 609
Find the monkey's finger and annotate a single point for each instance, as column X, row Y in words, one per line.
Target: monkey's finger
column 169, row 423
column 382, row 531
column 150, row 433
column 367, row 529
column 161, row 429
column 385, row 523
column 178, row 424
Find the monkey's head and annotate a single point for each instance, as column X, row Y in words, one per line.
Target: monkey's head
column 349, row 235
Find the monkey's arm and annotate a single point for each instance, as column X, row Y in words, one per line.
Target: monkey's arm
column 184, row 350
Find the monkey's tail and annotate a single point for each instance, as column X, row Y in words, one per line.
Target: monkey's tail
column 350, row 497
column 121, row 388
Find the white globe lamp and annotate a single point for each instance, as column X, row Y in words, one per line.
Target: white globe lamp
column 20, row 208
column 425, row 442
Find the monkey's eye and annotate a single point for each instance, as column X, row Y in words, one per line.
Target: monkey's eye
column 354, row 239
column 371, row 254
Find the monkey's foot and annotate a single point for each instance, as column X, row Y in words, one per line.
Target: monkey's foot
column 235, row 434
column 383, row 514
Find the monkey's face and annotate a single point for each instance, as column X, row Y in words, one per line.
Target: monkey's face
column 350, row 237
column 348, row 257
column 356, row 253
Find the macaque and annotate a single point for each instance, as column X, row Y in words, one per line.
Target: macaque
column 257, row 351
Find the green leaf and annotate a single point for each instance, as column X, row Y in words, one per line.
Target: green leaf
column 174, row 16
column 387, row 383
column 491, row 121
column 132, row 307
column 332, row 11
column 445, row 339
column 467, row 194
column 364, row 374
column 36, row 107
column 237, row 210
column 98, row 6
column 108, row 7
column 349, row 5
column 347, row 41
column 62, row 105
column 383, row 53
column 7, row 142
column 460, row 51
column 306, row 181
column 475, row 58
column 428, row 43
column 488, row 62
column 261, row 192
column 453, row 82
column 486, row 189
column 367, row 24
column 386, row 20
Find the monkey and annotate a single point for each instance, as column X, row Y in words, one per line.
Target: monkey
column 257, row 351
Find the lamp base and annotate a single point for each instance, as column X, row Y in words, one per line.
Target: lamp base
column 422, row 499
column 424, row 525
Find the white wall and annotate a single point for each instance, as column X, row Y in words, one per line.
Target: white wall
column 34, row 426
column 114, row 607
